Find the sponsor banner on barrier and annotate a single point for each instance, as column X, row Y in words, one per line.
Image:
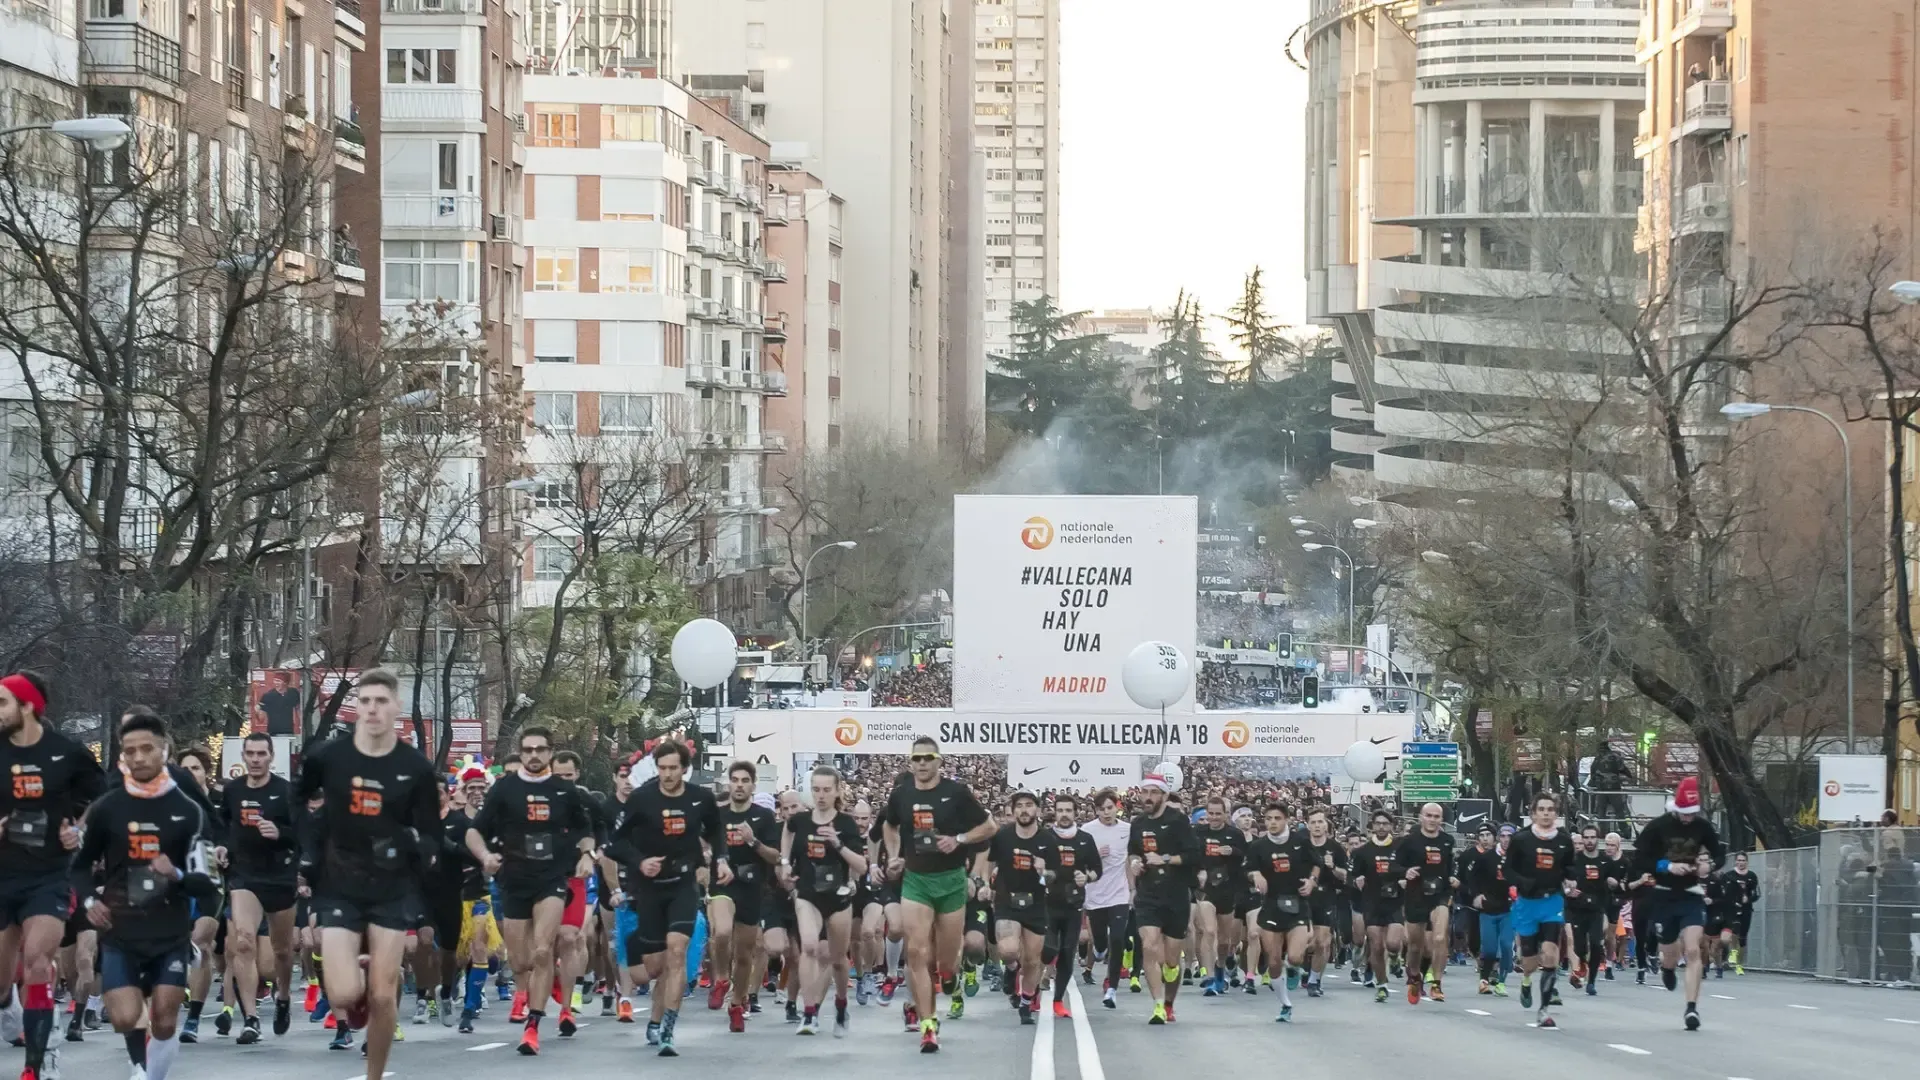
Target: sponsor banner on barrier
column 1291, row 733
column 1052, row 592
column 1079, row 772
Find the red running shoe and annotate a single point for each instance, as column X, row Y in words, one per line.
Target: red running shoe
column 1060, row 1010
column 717, row 996
column 529, row 1042
column 736, row 1018
column 518, row 1014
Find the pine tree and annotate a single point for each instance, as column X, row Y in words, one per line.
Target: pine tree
column 1262, row 340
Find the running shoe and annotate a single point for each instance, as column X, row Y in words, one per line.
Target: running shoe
column 419, row 1011
column 320, row 1011
column 863, row 988
column 809, row 1025
column 1500, row 989
column 223, row 1023
column 566, row 1025
column 1211, row 990
column 1293, row 977
column 1107, row 999
column 1286, row 1015
column 972, row 983
column 887, row 987
column 958, row 1009
column 1169, row 1012
column 1435, row 993
column 90, row 1019
column 249, row 1032
column 1546, row 1021
column 1354, row 976
column 1159, row 1013
column 606, row 1007
column 1413, row 992
column 1252, row 987
column 1669, row 978
column 282, row 1016
column 1526, row 994
column 1607, row 971
column 342, row 1038
column 653, row 1033
column 1692, row 1018
column 1380, row 996
column 1060, row 1010
column 1738, row 969
column 518, row 1013
column 467, row 1017
column 529, row 1041
column 1574, row 980
column 666, row 1040
column 736, row 1018
column 930, row 1036
column 840, row 1024
column 1026, row 1012
column 625, row 1012
column 717, row 996
column 1592, row 990
column 1485, row 989
column 911, row 1016
column 190, row 1031
column 793, row 1011
column 1133, row 985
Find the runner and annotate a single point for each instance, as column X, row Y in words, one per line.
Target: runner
column 929, row 824
column 378, row 833
column 1381, row 907
column 1425, row 861
column 194, row 771
column 1485, row 870
column 1587, row 909
column 262, row 858
column 137, row 895
column 733, row 909
column 779, row 922
column 1077, row 864
column 1616, row 865
column 822, row 853
column 1539, row 861
column 1282, row 867
column 669, row 829
column 570, row 946
column 1222, row 857
column 869, row 911
column 1330, row 860
column 52, row 779
column 1110, row 897
column 1021, row 855
column 527, row 817
column 1666, row 859
column 1163, row 852
column 1735, row 894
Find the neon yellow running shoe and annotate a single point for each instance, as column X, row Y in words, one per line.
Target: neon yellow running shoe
column 1159, row 1013
column 958, row 1008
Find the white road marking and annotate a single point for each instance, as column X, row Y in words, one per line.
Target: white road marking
column 1722, row 997
column 363, row 1076
column 1809, row 1008
column 1089, row 1054
column 1043, row 1048
column 1479, row 1012
column 1624, row 1048
column 472, row 1049
column 1897, row 1020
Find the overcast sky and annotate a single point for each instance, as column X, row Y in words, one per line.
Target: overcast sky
column 1180, row 152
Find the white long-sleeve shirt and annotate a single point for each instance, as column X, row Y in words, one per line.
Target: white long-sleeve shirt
column 1111, row 889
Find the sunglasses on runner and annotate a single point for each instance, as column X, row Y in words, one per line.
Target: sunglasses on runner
column 924, row 757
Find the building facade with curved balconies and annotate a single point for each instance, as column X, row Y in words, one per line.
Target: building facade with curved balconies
column 1520, row 118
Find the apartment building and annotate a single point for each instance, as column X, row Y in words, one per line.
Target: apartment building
column 803, row 317
column 1016, row 118
column 858, row 94
column 648, row 316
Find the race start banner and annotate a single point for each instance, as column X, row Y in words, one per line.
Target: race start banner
column 1051, row 592
column 1072, row 772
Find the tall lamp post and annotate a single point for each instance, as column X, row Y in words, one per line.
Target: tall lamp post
column 1747, row 410
column 98, row 132
column 805, row 569
column 1350, row 575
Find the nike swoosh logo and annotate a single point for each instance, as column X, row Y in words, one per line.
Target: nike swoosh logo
column 757, row 738
column 1030, row 772
column 1384, row 738
column 56, row 757
column 1464, row 818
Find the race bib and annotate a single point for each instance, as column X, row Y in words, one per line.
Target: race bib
column 1022, row 860
column 923, row 819
column 1150, row 844
column 674, row 824
column 1433, row 856
column 539, row 811
column 1282, row 864
column 1543, row 859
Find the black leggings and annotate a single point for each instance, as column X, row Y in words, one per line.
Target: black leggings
column 1112, row 932
column 1589, row 937
column 1063, row 938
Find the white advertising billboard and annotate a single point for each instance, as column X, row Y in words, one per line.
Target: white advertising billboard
column 1292, row 733
column 1072, row 772
column 1853, row 787
column 1051, row 592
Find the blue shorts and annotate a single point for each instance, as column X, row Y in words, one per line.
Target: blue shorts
column 122, row 967
column 1671, row 912
column 625, row 922
column 1530, row 915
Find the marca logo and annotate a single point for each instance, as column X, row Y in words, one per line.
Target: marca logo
column 1235, row 734
column 1037, row 532
column 847, row 732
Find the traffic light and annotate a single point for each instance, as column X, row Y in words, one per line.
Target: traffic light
column 1310, row 691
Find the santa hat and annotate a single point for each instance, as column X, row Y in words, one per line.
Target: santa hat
column 471, row 773
column 1686, row 797
column 1155, row 781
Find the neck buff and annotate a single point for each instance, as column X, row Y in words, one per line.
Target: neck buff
column 152, row 789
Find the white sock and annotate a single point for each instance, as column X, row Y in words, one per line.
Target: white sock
column 894, row 949
column 93, row 1002
column 160, row 1055
column 1286, row 999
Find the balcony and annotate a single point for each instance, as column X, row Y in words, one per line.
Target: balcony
column 775, row 326
column 703, row 307
column 349, row 276
column 113, row 47
column 1704, row 18
column 697, row 174
column 698, row 241
column 776, row 208
column 774, row 383
column 1700, row 309
column 430, row 212
column 349, row 146
column 704, row 375
column 295, row 132
column 435, row 7
column 408, row 103
column 773, row 268
column 1704, row 209
column 1645, row 139
column 348, row 25
column 1709, row 108
column 767, row 442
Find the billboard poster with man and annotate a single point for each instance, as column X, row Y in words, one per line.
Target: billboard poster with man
column 274, row 699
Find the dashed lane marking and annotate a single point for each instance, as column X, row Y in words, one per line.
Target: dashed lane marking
column 482, row 1046
column 1479, row 1012
column 1625, row 1049
column 1897, row 1020
column 1722, row 997
column 1808, row 1008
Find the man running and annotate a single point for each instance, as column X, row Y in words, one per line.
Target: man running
column 137, row 895
column 1330, row 860
column 1380, row 907
column 263, row 867
column 51, row 781
column 668, row 832
column 1162, row 851
column 529, row 816
column 1666, row 859
column 1076, row 865
column 1022, row 856
column 379, row 830
column 1740, row 891
column 1110, row 897
column 1539, row 862
column 733, row 909
column 1587, row 909
column 1221, row 860
column 1485, row 870
column 1281, row 867
column 1616, row 871
column 930, row 823
column 822, row 853
column 1425, row 862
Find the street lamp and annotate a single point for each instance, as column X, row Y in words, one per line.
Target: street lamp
column 1365, row 523
column 805, row 568
column 1351, row 574
column 1438, row 558
column 1747, row 410
column 97, row 132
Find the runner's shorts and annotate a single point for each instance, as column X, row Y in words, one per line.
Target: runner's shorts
column 576, row 912
column 663, row 908
column 1672, row 912
column 476, row 918
column 519, row 898
column 1172, row 916
column 1529, row 915
column 122, row 966
column 22, row 898
column 944, row 892
column 337, row 912
column 1280, row 922
column 748, row 901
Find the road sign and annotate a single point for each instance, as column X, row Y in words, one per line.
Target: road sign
column 1429, row 772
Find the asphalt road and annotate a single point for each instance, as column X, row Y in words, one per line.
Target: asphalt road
column 1758, row 1027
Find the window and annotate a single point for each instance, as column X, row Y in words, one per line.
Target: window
column 1740, row 160
column 556, row 125
column 447, row 167
column 217, row 45
column 626, row 413
column 629, row 123
column 756, row 35
column 625, row 199
column 555, row 341
column 556, row 198
column 556, row 269
column 421, row 67
column 630, row 343
column 193, row 36
column 428, row 270
column 553, row 412
column 216, row 209
column 193, row 179
column 554, row 494
column 626, row 270
column 256, row 61
column 552, row 558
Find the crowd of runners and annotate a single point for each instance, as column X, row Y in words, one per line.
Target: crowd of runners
column 369, row 892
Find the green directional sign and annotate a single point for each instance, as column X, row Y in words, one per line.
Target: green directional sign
column 1429, row 772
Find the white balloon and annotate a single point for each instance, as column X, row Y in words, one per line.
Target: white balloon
column 1365, row 761
column 1170, row 772
column 1156, row 674
column 704, row 653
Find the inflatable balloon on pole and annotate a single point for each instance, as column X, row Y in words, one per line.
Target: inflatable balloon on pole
column 1365, row 762
column 1156, row 675
column 704, row 654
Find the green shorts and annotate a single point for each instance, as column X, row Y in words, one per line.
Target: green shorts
column 944, row 892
